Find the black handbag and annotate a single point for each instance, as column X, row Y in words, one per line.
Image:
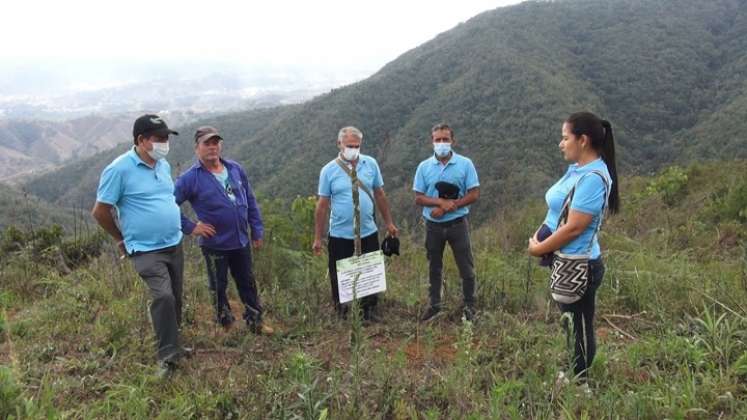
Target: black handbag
column 569, row 278
column 447, row 190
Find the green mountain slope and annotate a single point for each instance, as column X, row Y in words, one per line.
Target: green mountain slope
column 28, row 213
column 74, row 185
column 670, row 75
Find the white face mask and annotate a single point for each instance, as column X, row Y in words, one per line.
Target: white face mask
column 160, row 150
column 442, row 149
column 350, row 153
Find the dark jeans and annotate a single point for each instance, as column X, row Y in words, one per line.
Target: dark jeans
column 583, row 320
column 162, row 271
column 456, row 234
column 338, row 249
column 239, row 261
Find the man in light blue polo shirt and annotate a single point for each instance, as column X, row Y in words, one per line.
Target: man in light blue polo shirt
column 445, row 185
column 336, row 193
column 138, row 185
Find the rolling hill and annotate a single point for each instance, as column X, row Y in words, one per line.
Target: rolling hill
column 670, row 75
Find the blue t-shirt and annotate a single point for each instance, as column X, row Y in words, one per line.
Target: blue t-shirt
column 335, row 184
column 588, row 198
column 145, row 203
column 222, row 178
column 459, row 170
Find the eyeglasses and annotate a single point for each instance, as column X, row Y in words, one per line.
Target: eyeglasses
column 354, row 146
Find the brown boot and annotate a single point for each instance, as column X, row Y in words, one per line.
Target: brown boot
column 261, row 328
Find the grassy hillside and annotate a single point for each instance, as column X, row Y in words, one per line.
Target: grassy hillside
column 669, row 74
column 20, row 208
column 671, row 324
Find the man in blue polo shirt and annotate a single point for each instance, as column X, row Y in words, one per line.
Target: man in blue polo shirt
column 138, row 186
column 336, row 193
column 219, row 192
column 445, row 185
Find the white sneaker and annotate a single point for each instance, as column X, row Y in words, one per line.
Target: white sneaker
column 561, row 380
column 585, row 390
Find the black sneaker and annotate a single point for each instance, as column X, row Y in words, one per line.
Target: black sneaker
column 187, row 352
column 226, row 320
column 166, row 369
column 342, row 312
column 469, row 313
column 430, row 313
column 370, row 315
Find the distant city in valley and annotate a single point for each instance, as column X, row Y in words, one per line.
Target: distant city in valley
column 49, row 117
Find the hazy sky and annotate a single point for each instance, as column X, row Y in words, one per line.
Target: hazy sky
column 277, row 32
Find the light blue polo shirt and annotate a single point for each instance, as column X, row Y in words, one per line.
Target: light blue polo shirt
column 335, row 184
column 588, row 198
column 144, row 199
column 459, row 170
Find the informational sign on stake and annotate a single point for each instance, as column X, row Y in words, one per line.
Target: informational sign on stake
column 370, row 273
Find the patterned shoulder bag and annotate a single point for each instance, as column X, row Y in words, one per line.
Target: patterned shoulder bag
column 569, row 278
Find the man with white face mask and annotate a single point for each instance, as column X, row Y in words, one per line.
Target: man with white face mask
column 139, row 187
column 445, row 185
column 336, row 194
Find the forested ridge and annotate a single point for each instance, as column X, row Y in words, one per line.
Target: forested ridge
column 670, row 75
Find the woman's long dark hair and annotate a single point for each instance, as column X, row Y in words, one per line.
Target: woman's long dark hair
column 602, row 141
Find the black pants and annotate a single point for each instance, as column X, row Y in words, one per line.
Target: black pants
column 338, row 249
column 456, row 234
column 239, row 261
column 583, row 320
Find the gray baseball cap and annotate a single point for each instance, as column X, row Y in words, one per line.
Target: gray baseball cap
column 206, row 133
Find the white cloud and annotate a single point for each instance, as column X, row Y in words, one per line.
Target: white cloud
column 278, row 32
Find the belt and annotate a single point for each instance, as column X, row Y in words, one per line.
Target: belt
column 448, row 223
column 156, row 251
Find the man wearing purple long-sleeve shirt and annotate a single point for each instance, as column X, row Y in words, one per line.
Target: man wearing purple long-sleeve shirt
column 219, row 192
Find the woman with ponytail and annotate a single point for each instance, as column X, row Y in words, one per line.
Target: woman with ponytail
column 588, row 143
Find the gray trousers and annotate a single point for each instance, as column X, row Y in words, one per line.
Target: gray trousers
column 456, row 234
column 162, row 271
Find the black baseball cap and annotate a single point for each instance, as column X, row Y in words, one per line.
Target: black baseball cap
column 150, row 124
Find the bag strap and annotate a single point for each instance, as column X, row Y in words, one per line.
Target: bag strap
column 563, row 219
column 607, row 191
column 356, row 181
column 357, row 185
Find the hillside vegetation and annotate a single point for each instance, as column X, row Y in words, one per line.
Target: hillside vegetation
column 671, row 76
column 19, row 207
column 671, row 323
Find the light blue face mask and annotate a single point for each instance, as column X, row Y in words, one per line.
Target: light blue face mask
column 442, row 149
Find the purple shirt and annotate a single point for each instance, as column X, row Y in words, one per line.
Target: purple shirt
column 211, row 203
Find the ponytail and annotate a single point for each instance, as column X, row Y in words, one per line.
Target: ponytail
column 607, row 152
column 603, row 142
